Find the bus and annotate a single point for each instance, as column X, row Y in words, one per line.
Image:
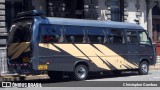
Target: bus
column 76, row 47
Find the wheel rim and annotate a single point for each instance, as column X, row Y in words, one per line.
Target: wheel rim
column 81, row 72
column 144, row 68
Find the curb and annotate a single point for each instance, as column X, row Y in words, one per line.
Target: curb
column 22, row 78
column 155, row 67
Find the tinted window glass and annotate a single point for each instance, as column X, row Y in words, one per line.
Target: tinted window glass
column 51, row 33
column 74, row 34
column 96, row 34
column 132, row 37
column 116, row 36
column 144, row 39
column 20, row 31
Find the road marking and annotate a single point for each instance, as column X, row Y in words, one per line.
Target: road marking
column 156, row 77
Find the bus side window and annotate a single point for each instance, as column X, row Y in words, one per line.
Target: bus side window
column 74, row 34
column 96, row 34
column 49, row 33
column 116, row 36
column 132, row 37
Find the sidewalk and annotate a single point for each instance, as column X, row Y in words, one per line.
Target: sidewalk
column 155, row 67
column 22, row 77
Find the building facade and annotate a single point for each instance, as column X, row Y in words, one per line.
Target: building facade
column 143, row 12
column 3, row 31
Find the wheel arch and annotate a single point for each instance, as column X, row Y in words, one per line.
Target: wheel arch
column 144, row 59
column 82, row 63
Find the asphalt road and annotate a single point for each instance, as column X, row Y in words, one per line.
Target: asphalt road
column 103, row 82
column 108, row 80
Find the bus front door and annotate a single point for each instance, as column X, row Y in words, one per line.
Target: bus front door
column 133, row 57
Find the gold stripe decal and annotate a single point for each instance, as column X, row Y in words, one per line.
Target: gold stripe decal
column 116, row 60
column 49, row 46
column 102, row 56
column 16, row 49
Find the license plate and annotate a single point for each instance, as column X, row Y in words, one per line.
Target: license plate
column 42, row 67
column 25, row 59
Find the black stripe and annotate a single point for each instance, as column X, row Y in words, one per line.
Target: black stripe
column 133, row 63
column 15, row 47
column 76, row 47
column 128, row 67
column 111, row 66
column 17, row 51
column 82, row 52
column 27, row 48
column 107, row 63
column 97, row 49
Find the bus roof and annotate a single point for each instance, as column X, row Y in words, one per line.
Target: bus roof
column 96, row 23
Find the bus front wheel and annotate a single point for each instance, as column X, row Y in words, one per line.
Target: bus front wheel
column 80, row 72
column 143, row 68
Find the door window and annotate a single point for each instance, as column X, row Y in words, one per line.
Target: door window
column 132, row 37
column 143, row 38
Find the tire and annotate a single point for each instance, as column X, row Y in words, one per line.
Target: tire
column 55, row 75
column 80, row 72
column 143, row 68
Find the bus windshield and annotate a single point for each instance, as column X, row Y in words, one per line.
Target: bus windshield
column 144, row 39
column 20, row 31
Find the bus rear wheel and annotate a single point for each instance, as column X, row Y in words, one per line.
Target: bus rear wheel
column 143, row 68
column 55, row 75
column 80, row 72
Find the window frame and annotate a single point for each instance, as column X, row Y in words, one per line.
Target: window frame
column 82, row 27
column 40, row 36
column 134, row 30
column 119, row 29
column 29, row 37
column 147, row 38
column 106, row 34
column 101, row 29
